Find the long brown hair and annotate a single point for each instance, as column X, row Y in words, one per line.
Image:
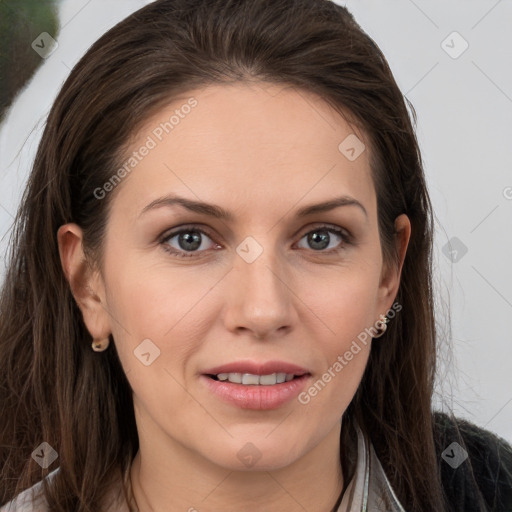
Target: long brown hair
column 55, row 388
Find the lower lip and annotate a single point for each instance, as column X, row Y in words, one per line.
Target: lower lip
column 256, row 396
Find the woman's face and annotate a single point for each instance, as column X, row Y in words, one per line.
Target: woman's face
column 262, row 286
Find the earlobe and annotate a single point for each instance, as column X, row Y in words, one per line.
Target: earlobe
column 86, row 284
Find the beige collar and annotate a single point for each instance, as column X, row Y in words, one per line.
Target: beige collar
column 369, row 489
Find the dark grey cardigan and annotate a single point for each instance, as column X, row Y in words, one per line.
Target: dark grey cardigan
column 483, row 482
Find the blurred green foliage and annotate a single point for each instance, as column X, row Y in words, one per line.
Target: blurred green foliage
column 21, row 21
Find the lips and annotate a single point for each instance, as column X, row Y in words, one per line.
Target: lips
column 235, row 383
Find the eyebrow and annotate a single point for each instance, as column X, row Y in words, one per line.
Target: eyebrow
column 220, row 213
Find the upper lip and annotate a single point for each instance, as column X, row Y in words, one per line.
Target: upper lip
column 255, row 368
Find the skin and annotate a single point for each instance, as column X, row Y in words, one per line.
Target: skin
column 260, row 152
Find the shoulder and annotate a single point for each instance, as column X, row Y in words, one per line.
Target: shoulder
column 475, row 465
column 30, row 500
column 34, row 500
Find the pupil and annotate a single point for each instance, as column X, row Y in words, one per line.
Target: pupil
column 323, row 240
column 185, row 239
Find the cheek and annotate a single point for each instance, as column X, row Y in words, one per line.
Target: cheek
column 147, row 296
column 342, row 299
column 343, row 308
column 150, row 303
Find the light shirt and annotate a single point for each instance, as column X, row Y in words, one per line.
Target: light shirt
column 369, row 489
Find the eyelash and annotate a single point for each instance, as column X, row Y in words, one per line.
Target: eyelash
column 346, row 240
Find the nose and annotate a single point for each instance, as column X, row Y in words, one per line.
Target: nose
column 260, row 301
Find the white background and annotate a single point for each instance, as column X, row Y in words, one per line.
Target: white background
column 464, row 108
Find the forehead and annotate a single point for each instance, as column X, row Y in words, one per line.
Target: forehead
column 247, row 142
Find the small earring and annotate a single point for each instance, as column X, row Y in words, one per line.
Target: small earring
column 382, row 322
column 100, row 345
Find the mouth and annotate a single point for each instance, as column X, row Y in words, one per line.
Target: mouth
column 251, row 379
column 253, row 391
column 259, row 385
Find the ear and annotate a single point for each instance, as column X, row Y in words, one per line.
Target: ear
column 86, row 284
column 390, row 277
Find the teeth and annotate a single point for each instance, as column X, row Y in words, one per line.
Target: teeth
column 234, row 377
column 250, row 379
column 268, row 380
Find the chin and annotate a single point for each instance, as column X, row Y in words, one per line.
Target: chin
column 262, row 455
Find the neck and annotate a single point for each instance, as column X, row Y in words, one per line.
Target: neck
column 313, row 483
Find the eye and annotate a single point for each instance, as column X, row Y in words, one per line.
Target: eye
column 190, row 240
column 320, row 238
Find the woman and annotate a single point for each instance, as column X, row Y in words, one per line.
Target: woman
column 219, row 295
